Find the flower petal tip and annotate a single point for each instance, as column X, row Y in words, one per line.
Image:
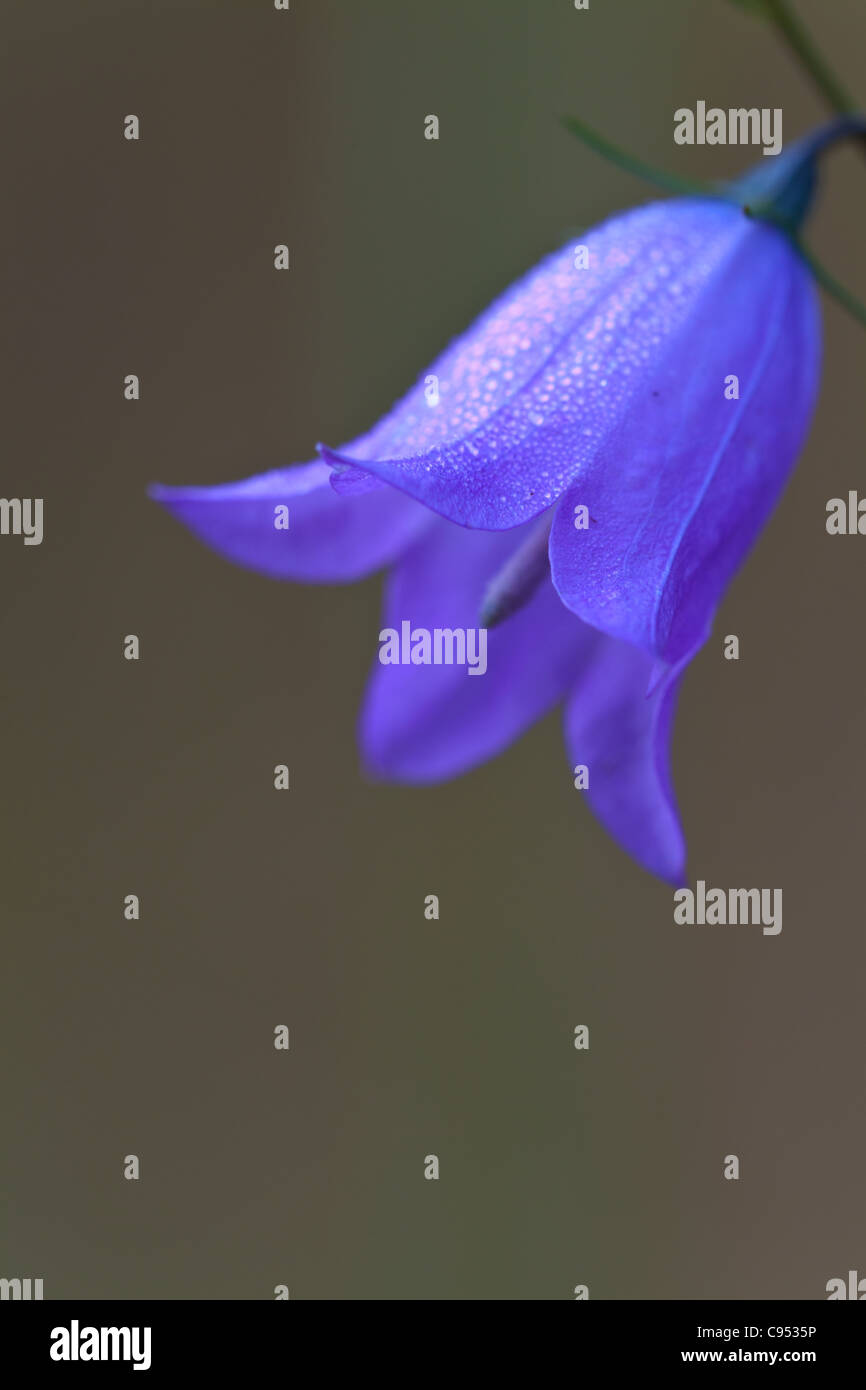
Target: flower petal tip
column 348, row 478
column 676, row 876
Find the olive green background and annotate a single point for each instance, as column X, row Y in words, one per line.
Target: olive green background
column 306, row 908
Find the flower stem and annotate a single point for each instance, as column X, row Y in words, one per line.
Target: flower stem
column 829, row 283
column 670, row 183
column 794, row 32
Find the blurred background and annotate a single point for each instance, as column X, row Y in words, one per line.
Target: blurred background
column 408, row 1037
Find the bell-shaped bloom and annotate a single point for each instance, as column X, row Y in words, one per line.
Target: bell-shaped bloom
column 580, row 474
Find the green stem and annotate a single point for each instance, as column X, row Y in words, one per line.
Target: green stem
column 670, row 183
column 800, row 43
column 829, row 283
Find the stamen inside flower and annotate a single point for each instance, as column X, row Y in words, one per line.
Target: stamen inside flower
column 519, row 577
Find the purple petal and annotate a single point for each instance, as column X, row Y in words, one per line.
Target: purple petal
column 683, row 484
column 530, row 395
column 329, row 538
column 622, row 736
column 425, row 723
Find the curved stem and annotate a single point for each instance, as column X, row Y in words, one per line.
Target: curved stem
column 833, row 287
column 800, row 43
column 670, row 183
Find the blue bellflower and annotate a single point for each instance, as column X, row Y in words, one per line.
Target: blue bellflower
column 574, row 474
